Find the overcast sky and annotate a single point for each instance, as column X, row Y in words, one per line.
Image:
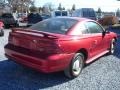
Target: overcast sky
column 105, row 5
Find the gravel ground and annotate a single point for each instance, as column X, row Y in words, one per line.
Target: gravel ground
column 3, row 41
column 103, row 74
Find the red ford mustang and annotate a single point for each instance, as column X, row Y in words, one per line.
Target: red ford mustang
column 60, row 44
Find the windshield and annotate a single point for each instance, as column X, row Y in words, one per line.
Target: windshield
column 55, row 25
column 64, row 13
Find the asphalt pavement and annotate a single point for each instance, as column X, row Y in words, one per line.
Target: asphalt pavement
column 103, row 74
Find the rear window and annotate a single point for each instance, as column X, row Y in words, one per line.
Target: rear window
column 57, row 13
column 55, row 25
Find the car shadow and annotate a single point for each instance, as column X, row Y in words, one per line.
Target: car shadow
column 117, row 49
column 14, row 76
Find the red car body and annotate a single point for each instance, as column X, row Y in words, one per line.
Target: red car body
column 1, row 28
column 49, row 52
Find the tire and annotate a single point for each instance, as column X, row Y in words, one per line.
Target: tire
column 75, row 67
column 112, row 46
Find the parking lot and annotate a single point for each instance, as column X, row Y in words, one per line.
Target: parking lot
column 103, row 74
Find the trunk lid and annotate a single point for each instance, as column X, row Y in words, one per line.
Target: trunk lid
column 35, row 40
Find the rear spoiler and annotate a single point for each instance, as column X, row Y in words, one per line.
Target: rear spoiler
column 34, row 32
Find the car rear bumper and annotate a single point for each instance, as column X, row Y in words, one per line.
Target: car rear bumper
column 52, row 63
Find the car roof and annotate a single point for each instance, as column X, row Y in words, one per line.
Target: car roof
column 75, row 18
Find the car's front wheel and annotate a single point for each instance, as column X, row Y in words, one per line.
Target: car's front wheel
column 75, row 67
column 112, row 46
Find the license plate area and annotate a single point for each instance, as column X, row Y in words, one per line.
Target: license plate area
column 24, row 43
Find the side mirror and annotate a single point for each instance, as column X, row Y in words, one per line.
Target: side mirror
column 106, row 31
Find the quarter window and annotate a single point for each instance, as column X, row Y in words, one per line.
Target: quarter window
column 83, row 29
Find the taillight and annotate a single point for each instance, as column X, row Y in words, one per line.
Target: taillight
column 50, row 48
column 54, row 49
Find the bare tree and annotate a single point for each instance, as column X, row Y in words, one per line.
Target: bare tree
column 33, row 9
column 2, row 2
column 20, row 5
column 49, row 5
column 60, row 6
column 73, row 7
column 63, row 8
column 99, row 10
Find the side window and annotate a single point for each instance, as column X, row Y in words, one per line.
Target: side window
column 64, row 13
column 93, row 27
column 80, row 29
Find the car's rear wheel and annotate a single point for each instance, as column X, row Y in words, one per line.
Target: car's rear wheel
column 75, row 67
column 112, row 46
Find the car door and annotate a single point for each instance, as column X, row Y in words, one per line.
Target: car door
column 98, row 40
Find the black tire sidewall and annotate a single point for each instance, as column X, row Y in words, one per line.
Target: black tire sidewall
column 112, row 42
